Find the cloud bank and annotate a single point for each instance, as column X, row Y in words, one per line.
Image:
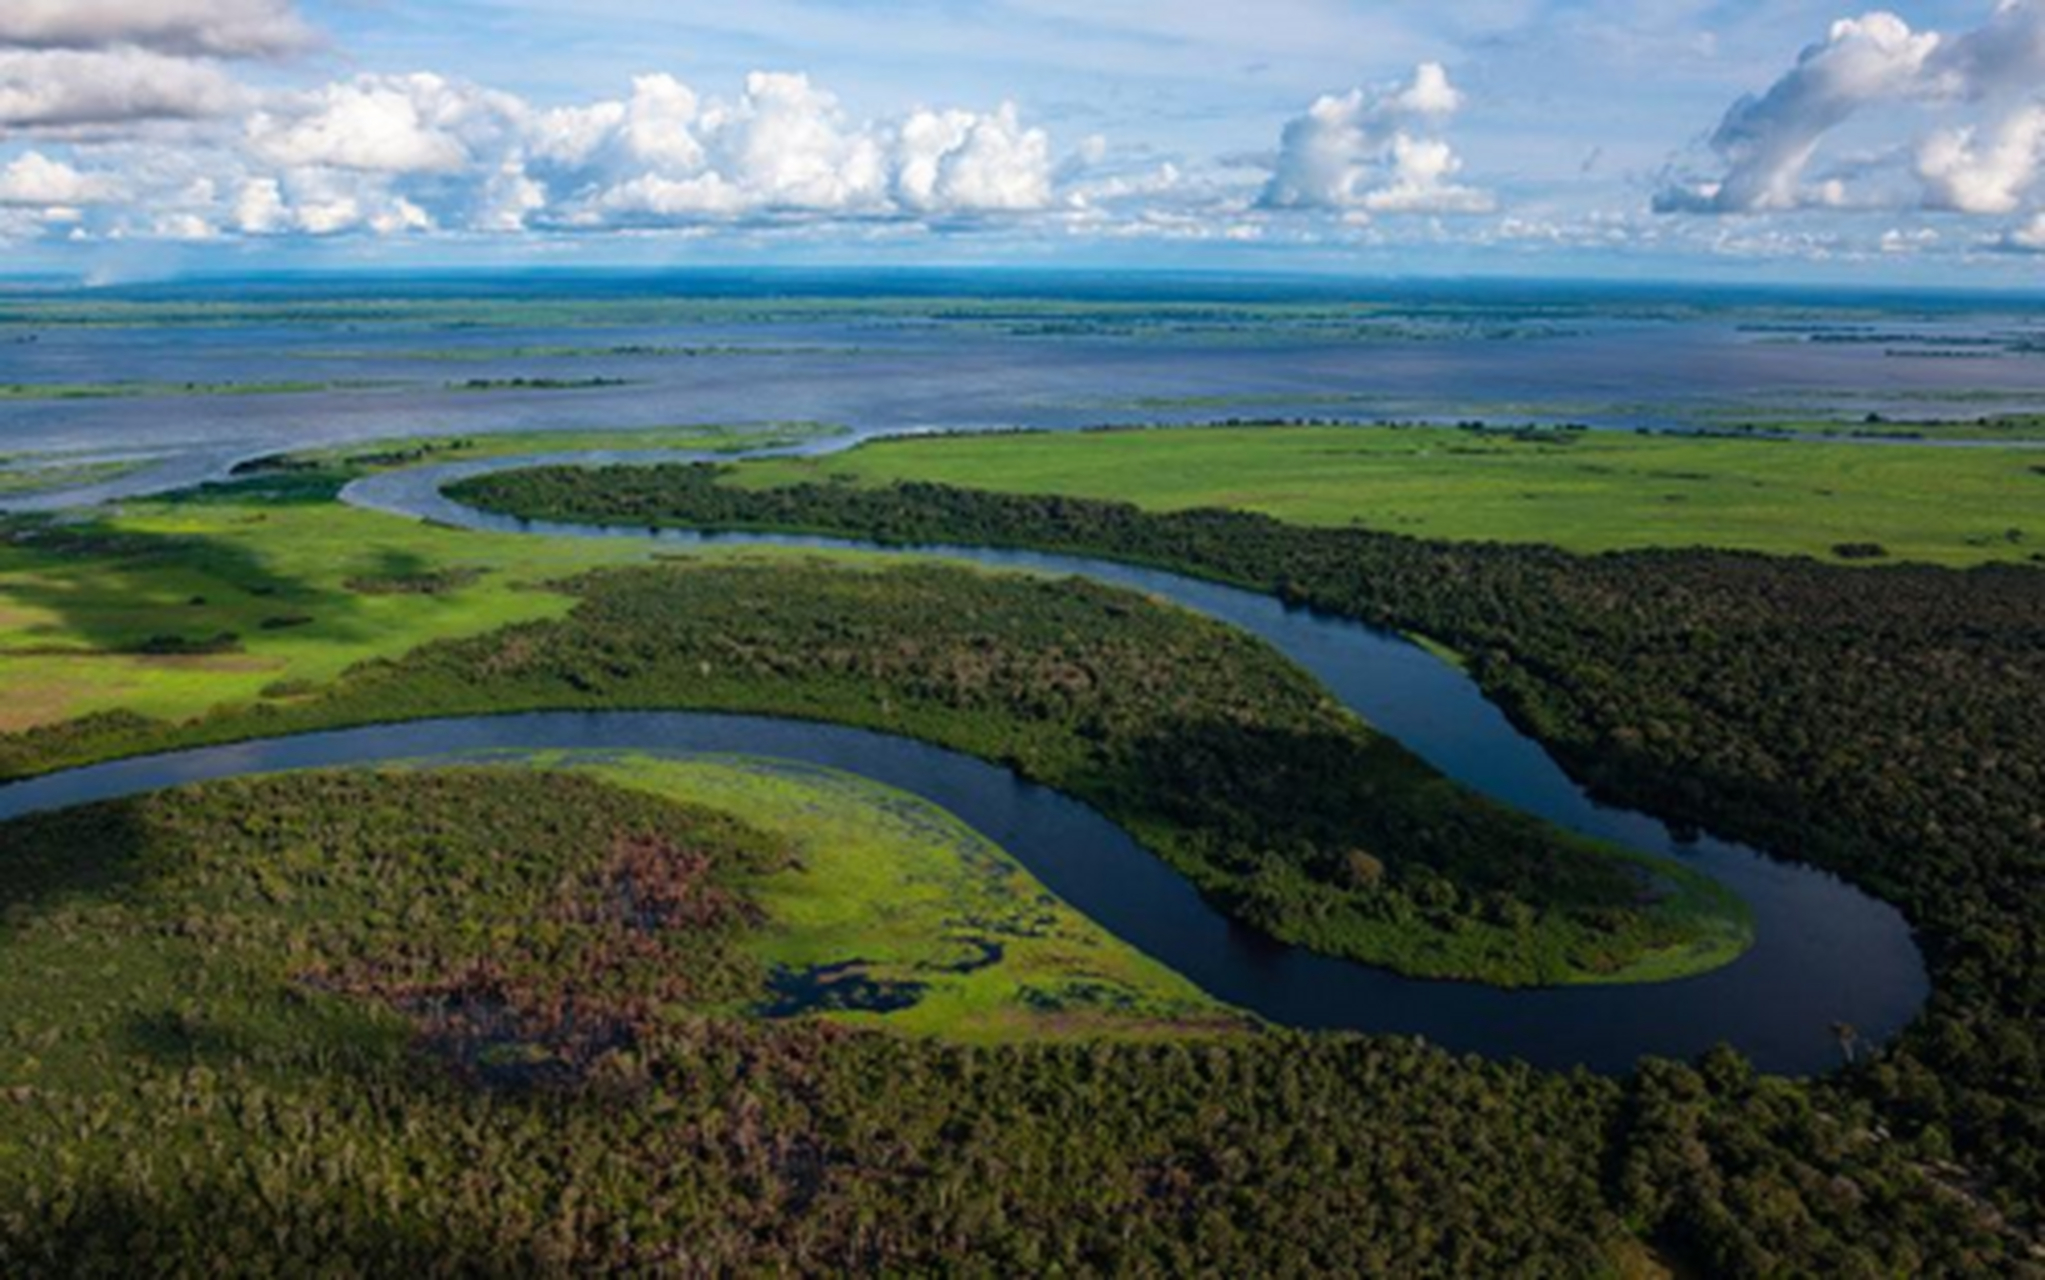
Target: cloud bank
column 239, row 122
column 67, row 91
column 423, row 152
column 1965, row 104
column 127, row 120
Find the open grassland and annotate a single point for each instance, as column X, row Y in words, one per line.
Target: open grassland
column 171, row 608
column 1580, row 490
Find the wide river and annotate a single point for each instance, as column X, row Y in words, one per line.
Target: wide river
column 1826, row 954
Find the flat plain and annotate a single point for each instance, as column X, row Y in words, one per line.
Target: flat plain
column 1585, row 491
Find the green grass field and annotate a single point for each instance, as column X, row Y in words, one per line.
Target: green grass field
column 1584, row 491
column 893, row 890
column 74, row 621
column 307, row 585
column 308, row 590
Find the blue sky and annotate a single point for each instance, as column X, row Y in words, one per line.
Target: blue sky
column 1589, row 137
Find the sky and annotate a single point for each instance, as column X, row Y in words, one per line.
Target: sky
column 1725, row 140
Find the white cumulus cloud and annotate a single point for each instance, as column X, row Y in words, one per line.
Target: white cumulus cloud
column 388, row 124
column 956, row 160
column 782, row 147
column 33, row 180
column 1971, row 170
column 1375, row 151
column 1876, row 67
column 406, row 154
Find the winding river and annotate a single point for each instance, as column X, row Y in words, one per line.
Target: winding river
column 1825, row 954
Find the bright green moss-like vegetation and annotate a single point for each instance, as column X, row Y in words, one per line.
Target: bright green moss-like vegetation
column 890, row 913
column 1581, row 490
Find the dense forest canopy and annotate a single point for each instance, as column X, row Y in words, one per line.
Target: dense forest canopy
column 462, row 1021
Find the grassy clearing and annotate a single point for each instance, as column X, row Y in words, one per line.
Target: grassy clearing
column 78, row 615
column 859, row 875
column 305, row 589
column 1583, row 491
column 892, row 891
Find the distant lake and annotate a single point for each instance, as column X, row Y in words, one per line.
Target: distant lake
column 904, row 356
